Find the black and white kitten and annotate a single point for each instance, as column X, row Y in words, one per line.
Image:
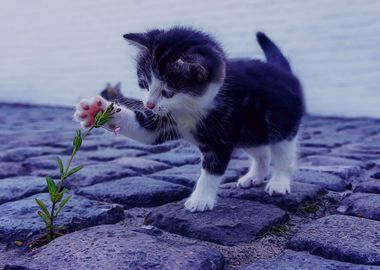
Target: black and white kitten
column 192, row 91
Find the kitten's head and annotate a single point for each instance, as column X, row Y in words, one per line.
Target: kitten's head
column 177, row 67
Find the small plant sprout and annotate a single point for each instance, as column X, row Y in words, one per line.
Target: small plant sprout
column 57, row 192
column 310, row 208
column 279, row 229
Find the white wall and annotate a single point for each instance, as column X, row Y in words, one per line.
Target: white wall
column 56, row 52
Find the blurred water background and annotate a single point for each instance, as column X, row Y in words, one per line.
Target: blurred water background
column 57, row 52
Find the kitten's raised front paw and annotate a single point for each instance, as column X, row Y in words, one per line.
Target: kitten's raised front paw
column 197, row 204
column 278, row 187
column 87, row 109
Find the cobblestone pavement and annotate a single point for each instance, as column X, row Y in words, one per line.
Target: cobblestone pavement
column 127, row 209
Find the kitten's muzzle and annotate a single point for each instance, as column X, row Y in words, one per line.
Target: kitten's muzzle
column 150, row 105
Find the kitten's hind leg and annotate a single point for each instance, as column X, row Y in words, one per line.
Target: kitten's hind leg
column 284, row 160
column 259, row 169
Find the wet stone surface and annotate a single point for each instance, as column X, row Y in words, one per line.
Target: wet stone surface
column 326, row 180
column 141, row 189
column 301, row 193
column 22, row 153
column 362, row 205
column 50, row 162
column 18, row 219
column 185, row 175
column 344, row 238
column 176, row 159
column 320, row 160
column 109, row 153
column 136, row 192
column 140, row 165
column 15, row 188
column 372, row 186
column 188, row 175
column 117, row 247
column 231, row 222
column 345, row 172
column 291, row 260
column 98, row 173
column 9, row 169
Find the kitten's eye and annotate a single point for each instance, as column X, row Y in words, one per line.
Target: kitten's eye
column 167, row 94
column 144, row 85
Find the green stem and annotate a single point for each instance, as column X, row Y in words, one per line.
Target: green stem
column 63, row 177
column 88, row 131
column 51, row 229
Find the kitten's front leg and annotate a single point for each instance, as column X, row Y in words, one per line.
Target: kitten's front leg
column 124, row 119
column 204, row 196
column 213, row 166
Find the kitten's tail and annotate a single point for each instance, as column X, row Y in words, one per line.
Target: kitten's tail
column 272, row 52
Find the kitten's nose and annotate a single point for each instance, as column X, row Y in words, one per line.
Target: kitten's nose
column 150, row 105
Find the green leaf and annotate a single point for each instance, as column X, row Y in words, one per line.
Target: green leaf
column 51, row 186
column 44, row 218
column 58, row 197
column 98, row 116
column 105, row 120
column 62, row 204
column 102, row 118
column 109, row 108
column 60, row 166
column 77, row 142
column 43, row 207
column 76, row 169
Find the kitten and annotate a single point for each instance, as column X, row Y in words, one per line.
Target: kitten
column 192, row 91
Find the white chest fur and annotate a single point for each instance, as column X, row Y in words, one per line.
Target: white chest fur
column 186, row 126
column 189, row 110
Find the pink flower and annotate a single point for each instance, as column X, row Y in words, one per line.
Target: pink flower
column 117, row 131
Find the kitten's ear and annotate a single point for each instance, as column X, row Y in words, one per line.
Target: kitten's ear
column 200, row 71
column 140, row 40
column 193, row 67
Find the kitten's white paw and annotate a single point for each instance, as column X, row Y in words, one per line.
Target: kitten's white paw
column 247, row 181
column 87, row 109
column 244, row 182
column 200, row 204
column 257, row 182
column 278, row 186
